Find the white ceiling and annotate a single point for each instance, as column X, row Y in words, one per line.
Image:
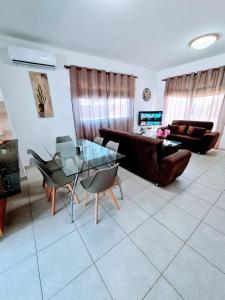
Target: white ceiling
column 150, row 33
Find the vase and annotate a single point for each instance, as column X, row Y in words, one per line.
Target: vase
column 41, row 110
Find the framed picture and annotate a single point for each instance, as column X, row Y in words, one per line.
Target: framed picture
column 41, row 93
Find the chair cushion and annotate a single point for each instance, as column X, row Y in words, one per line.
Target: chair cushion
column 60, row 179
column 86, row 181
column 52, row 165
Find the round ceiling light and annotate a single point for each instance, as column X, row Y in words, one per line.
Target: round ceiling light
column 204, row 41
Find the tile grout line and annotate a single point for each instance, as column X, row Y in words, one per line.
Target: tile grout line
column 39, row 274
column 62, row 288
column 201, row 221
column 127, row 235
column 91, row 258
column 185, row 242
column 131, row 240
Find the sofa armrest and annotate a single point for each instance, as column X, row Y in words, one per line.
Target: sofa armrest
column 208, row 141
column 173, row 166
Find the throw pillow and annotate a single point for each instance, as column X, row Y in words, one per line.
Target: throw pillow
column 181, row 129
column 190, row 130
column 198, row 132
column 173, row 128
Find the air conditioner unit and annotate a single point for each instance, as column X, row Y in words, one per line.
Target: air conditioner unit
column 31, row 57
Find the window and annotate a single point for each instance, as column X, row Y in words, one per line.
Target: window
column 101, row 109
column 198, row 108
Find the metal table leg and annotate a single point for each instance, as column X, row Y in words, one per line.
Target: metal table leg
column 72, row 193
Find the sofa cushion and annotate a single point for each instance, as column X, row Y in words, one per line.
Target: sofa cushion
column 198, row 132
column 190, row 130
column 173, row 128
column 204, row 124
column 181, row 129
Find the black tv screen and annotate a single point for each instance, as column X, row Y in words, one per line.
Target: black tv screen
column 147, row 118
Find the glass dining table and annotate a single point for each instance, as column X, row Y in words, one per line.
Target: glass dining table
column 78, row 156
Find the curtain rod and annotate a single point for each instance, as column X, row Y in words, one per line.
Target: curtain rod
column 165, row 79
column 91, row 69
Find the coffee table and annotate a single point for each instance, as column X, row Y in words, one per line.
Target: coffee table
column 171, row 147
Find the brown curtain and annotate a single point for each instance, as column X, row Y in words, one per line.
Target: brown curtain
column 197, row 96
column 101, row 99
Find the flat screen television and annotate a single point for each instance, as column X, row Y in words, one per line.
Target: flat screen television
column 148, row 118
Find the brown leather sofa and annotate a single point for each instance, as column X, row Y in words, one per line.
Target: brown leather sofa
column 199, row 144
column 145, row 156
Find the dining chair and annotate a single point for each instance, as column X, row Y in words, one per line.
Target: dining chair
column 54, row 180
column 63, row 139
column 114, row 147
column 71, row 155
column 51, row 165
column 98, row 140
column 102, row 181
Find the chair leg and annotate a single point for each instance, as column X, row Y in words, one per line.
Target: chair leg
column 53, row 200
column 86, row 196
column 49, row 193
column 96, row 208
column 75, row 196
column 113, row 198
column 119, row 184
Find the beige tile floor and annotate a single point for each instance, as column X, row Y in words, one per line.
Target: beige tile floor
column 164, row 243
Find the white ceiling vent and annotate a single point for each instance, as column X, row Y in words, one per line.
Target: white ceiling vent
column 31, row 57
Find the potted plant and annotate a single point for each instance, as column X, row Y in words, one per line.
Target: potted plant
column 41, row 99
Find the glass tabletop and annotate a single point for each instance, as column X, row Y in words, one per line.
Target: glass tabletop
column 171, row 143
column 81, row 155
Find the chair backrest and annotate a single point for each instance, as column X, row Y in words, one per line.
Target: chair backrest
column 98, row 140
column 63, row 139
column 103, row 179
column 35, row 155
column 112, row 146
column 42, row 168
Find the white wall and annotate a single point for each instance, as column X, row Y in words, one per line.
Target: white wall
column 212, row 62
column 34, row 132
column 1, row 96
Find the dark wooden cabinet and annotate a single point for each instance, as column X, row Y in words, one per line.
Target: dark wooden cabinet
column 9, row 175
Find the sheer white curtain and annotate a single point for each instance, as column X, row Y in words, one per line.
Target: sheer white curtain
column 199, row 97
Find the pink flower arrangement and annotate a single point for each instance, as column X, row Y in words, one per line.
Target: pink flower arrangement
column 162, row 133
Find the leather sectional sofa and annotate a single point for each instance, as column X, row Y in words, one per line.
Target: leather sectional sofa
column 145, row 156
column 196, row 136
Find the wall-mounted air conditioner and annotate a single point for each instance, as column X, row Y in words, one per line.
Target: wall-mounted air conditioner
column 31, row 57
